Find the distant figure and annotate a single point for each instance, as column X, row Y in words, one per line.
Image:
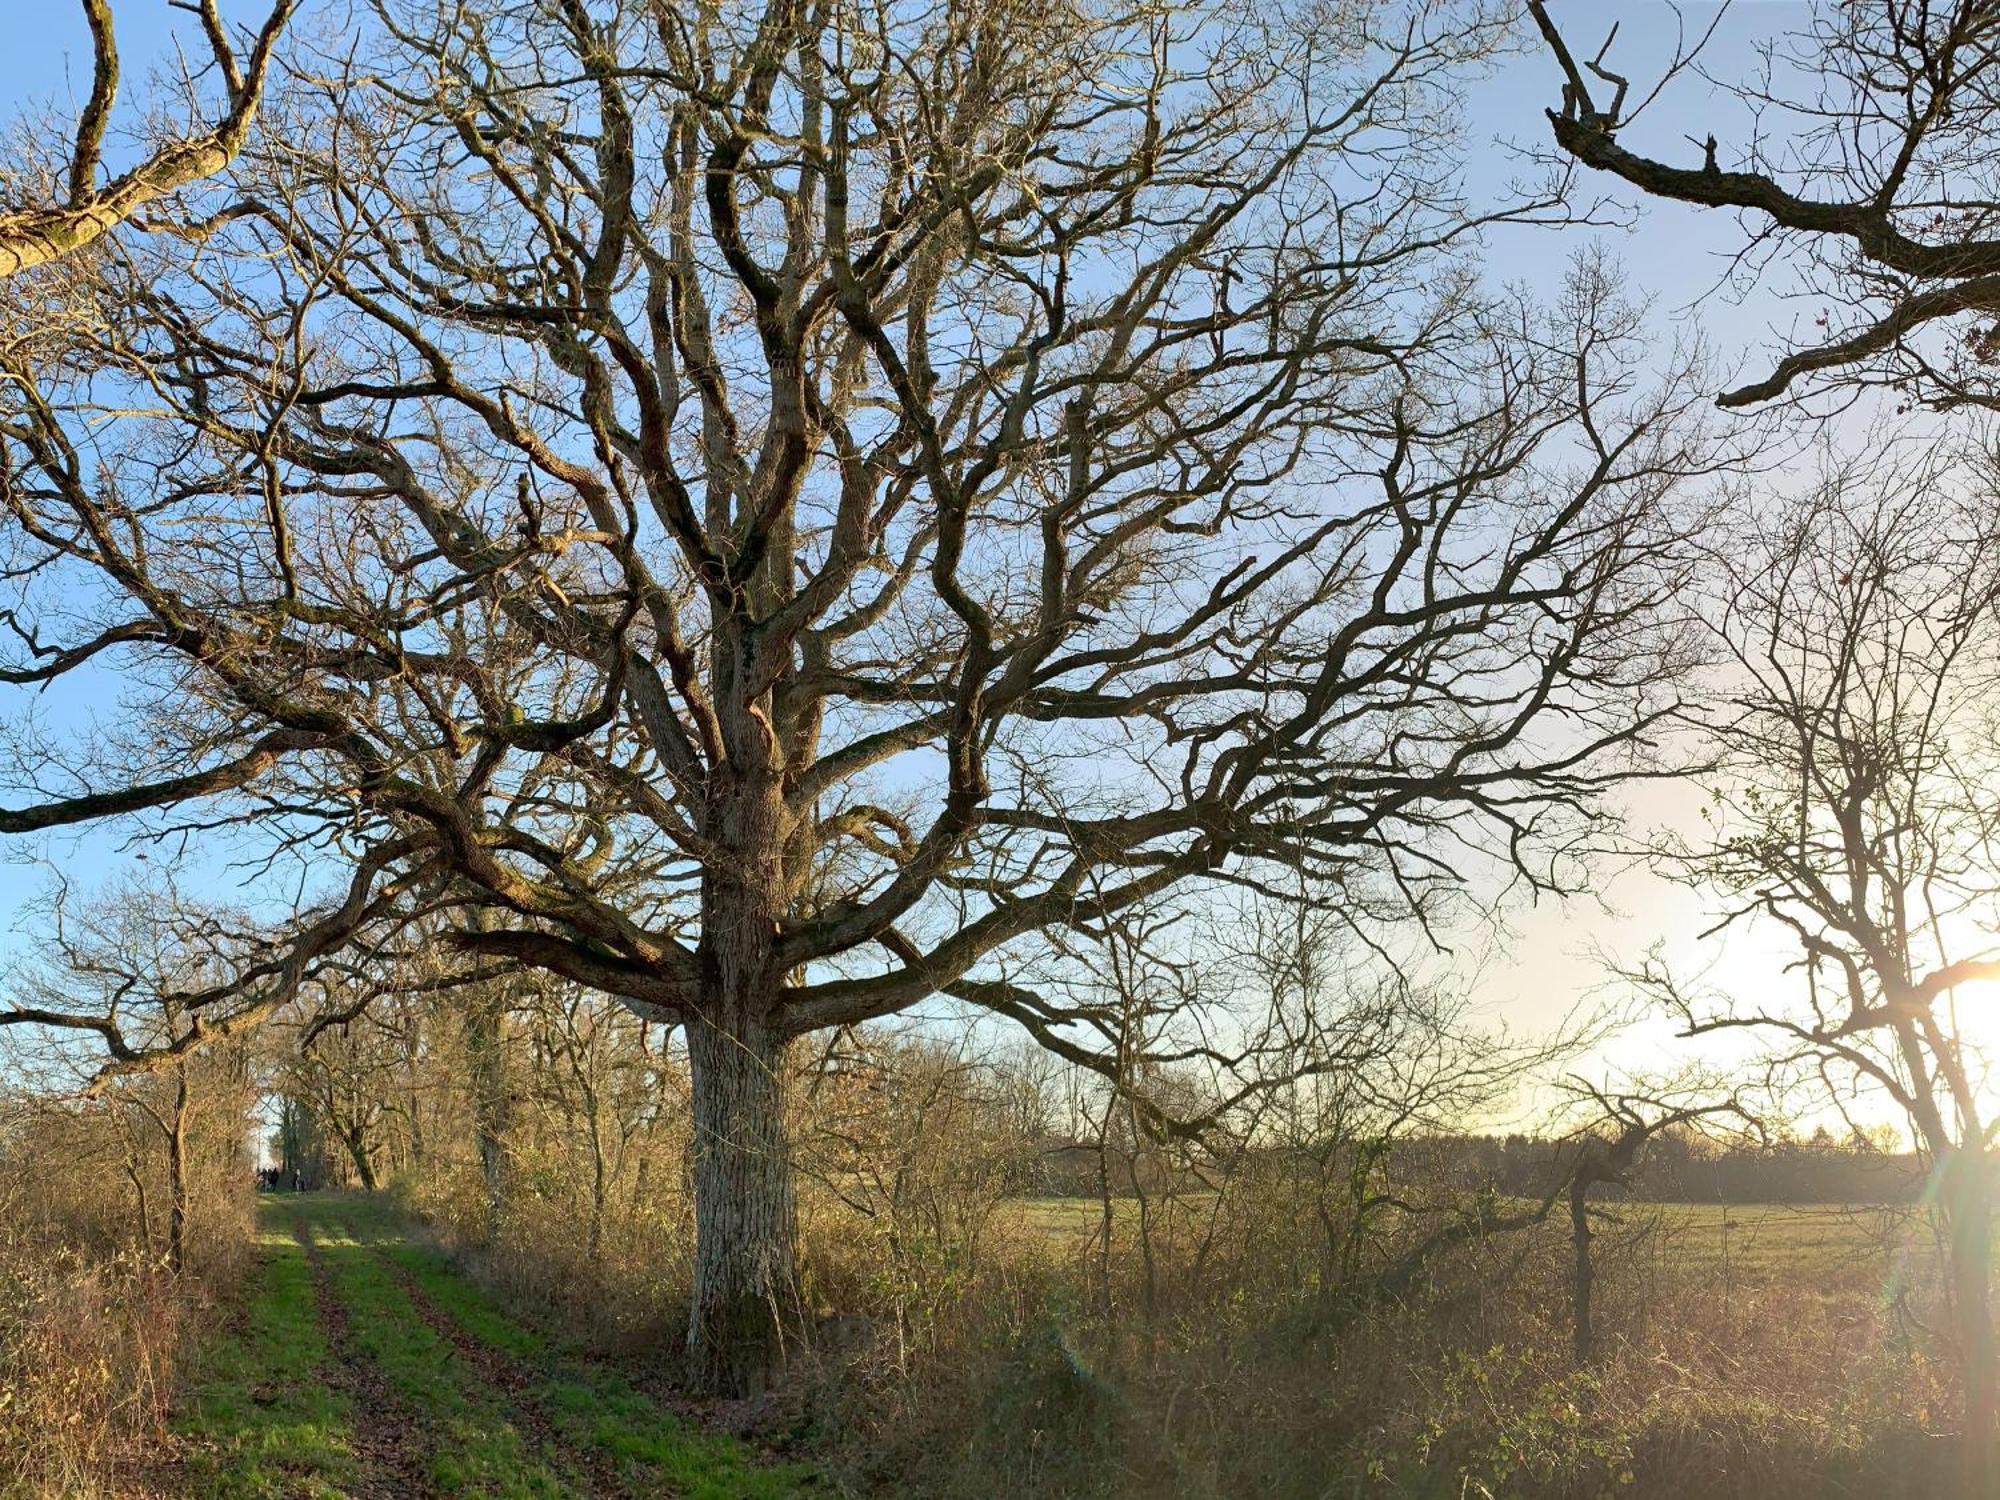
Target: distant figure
column 295, row 1180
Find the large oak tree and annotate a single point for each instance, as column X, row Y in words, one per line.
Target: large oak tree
column 776, row 512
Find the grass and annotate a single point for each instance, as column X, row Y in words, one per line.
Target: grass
column 268, row 1418
column 1769, row 1238
column 477, row 1449
column 264, row 1421
column 591, row 1404
column 1754, row 1238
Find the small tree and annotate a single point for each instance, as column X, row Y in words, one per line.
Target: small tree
column 1621, row 1126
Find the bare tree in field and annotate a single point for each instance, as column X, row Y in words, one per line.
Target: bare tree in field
column 1621, row 1124
column 80, row 208
column 1870, row 175
column 774, row 513
column 1853, row 822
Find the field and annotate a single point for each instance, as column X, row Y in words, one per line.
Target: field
column 1743, row 1238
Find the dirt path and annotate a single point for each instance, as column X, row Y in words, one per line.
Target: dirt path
column 363, row 1366
column 521, row 1385
column 389, row 1443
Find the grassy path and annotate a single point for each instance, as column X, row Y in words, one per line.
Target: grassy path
column 364, row 1366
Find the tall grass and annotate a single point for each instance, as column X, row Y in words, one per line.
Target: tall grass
column 968, row 1343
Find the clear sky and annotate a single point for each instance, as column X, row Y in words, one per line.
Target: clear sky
column 1549, row 958
column 1673, row 255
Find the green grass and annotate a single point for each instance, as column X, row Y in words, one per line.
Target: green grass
column 1768, row 1238
column 477, row 1448
column 598, row 1407
column 590, row 1405
column 265, row 1421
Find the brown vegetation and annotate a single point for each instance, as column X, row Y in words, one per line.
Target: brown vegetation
column 94, row 1310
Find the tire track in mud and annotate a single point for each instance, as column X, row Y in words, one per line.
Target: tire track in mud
column 391, row 1443
column 516, row 1382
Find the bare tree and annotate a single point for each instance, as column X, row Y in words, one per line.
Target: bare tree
column 1852, row 818
column 1869, row 172
column 343, row 1075
column 116, row 975
column 780, row 513
column 1606, row 1151
column 82, row 208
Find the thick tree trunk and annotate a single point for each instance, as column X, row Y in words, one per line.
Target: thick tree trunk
column 745, row 1305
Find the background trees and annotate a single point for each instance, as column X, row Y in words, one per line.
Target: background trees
column 1851, row 821
column 119, row 973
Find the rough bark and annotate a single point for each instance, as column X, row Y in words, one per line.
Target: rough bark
column 745, row 1300
column 356, row 1142
column 34, row 236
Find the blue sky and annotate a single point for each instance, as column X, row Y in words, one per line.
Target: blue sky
column 1675, row 252
column 1672, row 254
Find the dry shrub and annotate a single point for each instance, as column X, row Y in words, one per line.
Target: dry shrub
column 92, row 1321
column 971, row 1339
column 627, row 1293
column 1257, row 1376
column 87, row 1357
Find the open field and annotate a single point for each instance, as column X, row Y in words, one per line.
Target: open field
column 1747, row 1238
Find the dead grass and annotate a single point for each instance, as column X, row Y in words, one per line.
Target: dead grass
column 87, row 1359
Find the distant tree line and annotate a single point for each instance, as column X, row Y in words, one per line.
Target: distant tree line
column 1677, row 1168
column 1680, row 1169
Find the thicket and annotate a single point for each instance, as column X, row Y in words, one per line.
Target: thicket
column 1013, row 1289
column 95, row 1319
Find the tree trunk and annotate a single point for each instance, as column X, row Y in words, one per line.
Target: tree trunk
column 416, row 1129
column 137, row 1178
column 745, row 1303
column 1971, row 1210
column 177, row 1175
column 357, row 1149
column 485, row 1047
column 1583, row 1272
column 596, row 1189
